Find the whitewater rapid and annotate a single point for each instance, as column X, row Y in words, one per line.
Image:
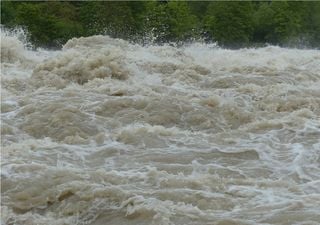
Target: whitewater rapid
column 108, row 132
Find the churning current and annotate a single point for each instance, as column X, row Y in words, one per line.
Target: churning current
column 107, row 132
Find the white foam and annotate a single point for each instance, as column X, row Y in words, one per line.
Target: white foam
column 104, row 131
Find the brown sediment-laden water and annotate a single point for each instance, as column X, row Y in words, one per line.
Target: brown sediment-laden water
column 108, row 132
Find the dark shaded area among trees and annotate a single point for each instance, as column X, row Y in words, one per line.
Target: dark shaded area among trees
column 232, row 24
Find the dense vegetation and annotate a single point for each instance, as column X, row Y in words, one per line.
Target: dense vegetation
column 231, row 24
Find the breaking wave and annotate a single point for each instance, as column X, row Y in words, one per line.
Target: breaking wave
column 108, row 132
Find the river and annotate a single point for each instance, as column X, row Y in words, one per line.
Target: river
column 107, row 132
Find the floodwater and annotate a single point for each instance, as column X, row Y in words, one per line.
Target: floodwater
column 107, row 132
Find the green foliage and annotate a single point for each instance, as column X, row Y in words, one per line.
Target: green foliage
column 171, row 21
column 113, row 18
column 7, row 14
column 198, row 8
column 310, row 27
column 263, row 25
column 287, row 23
column 230, row 23
column 50, row 24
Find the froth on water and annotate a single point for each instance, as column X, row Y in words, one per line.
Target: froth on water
column 107, row 132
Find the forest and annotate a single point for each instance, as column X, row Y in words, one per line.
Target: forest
column 232, row 24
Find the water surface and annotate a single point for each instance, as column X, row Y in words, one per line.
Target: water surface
column 107, row 132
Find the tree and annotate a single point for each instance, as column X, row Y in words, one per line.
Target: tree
column 7, row 14
column 279, row 22
column 230, row 23
column 263, row 22
column 171, row 21
column 286, row 23
column 49, row 23
column 310, row 22
column 112, row 18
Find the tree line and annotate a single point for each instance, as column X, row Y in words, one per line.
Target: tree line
column 232, row 24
